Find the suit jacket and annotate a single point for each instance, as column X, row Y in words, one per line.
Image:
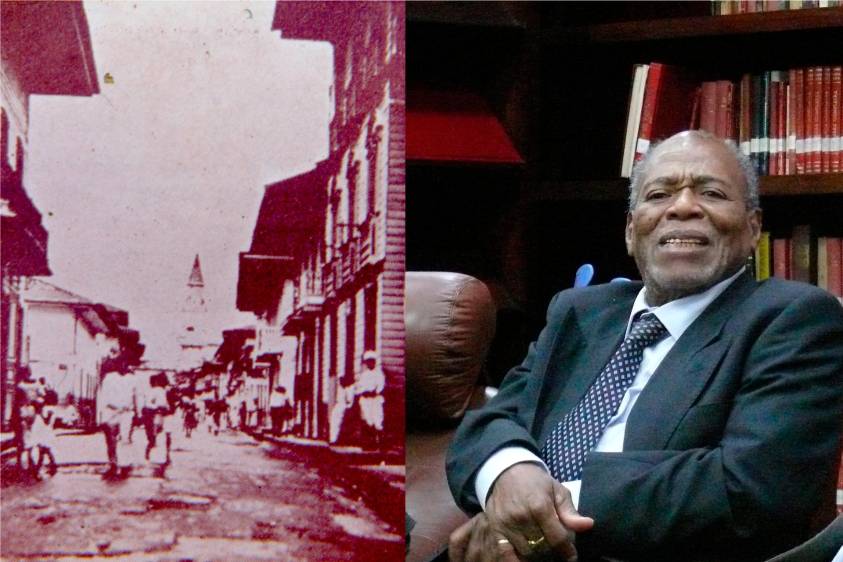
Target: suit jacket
column 731, row 449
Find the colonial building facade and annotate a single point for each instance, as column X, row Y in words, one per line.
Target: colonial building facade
column 46, row 50
column 66, row 338
column 325, row 270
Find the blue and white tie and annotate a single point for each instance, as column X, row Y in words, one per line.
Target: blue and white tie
column 571, row 440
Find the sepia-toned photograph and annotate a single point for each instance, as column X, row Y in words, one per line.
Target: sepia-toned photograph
column 202, row 319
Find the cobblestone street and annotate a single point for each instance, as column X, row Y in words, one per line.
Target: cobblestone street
column 223, row 497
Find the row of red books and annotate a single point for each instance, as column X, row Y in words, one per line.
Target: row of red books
column 788, row 122
column 727, row 7
column 802, row 258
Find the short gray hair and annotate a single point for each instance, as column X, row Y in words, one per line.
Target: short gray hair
column 750, row 176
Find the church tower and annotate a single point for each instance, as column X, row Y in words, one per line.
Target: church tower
column 194, row 304
column 194, row 339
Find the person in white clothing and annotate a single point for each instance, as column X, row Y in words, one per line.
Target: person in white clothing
column 369, row 392
column 117, row 407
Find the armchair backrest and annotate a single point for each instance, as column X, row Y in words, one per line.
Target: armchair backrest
column 450, row 322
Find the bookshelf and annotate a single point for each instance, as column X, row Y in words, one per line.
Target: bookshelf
column 557, row 75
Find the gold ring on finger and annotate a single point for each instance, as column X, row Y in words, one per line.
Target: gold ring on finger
column 533, row 543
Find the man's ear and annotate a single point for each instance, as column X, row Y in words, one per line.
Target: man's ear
column 755, row 226
column 629, row 233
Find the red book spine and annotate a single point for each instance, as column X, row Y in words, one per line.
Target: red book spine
column 721, row 125
column 835, row 152
column 789, row 135
column 648, row 109
column 731, row 120
column 708, row 107
column 781, row 258
column 809, row 119
column 834, row 258
column 744, row 116
column 798, row 110
column 781, row 132
column 816, row 121
column 825, row 120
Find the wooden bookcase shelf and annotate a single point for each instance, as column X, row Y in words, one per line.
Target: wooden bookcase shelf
column 701, row 26
column 616, row 189
column 808, row 184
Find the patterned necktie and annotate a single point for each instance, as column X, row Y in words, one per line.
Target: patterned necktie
column 572, row 439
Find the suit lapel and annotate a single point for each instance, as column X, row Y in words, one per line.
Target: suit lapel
column 582, row 348
column 684, row 372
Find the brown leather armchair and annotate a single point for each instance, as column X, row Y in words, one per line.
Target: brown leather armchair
column 450, row 323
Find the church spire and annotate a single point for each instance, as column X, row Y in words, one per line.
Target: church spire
column 195, row 279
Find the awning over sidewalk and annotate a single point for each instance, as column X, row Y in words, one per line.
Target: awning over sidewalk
column 289, row 225
column 24, row 238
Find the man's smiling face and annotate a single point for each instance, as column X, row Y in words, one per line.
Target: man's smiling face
column 690, row 227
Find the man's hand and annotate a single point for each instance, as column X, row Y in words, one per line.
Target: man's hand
column 528, row 513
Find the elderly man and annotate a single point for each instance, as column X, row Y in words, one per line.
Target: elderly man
column 696, row 417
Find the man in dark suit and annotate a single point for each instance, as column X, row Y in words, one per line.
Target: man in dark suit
column 694, row 417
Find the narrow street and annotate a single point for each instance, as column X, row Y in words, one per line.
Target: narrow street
column 223, row 497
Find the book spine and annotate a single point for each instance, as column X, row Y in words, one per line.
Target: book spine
column 775, row 94
column 800, row 256
column 810, row 81
column 816, row 124
column 834, row 259
column 836, row 142
column 762, row 257
column 633, row 118
column 731, row 113
column 822, row 263
column 708, row 107
column 721, row 125
column 648, row 109
column 825, row 128
column 781, row 131
column 789, row 135
column 755, row 127
column 798, row 82
column 764, row 134
column 781, row 258
column 744, row 114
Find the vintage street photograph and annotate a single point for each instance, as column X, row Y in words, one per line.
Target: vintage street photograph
column 202, row 321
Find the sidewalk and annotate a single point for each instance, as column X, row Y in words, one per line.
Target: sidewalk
column 377, row 479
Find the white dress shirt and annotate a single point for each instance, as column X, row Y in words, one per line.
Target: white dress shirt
column 676, row 316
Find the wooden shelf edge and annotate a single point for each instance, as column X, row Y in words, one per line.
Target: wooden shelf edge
column 617, row 189
column 809, row 184
column 700, row 26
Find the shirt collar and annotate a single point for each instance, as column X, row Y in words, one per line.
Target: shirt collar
column 678, row 315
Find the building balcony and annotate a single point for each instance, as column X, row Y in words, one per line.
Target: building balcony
column 361, row 250
column 269, row 340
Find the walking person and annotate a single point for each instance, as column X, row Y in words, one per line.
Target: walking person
column 42, row 440
column 190, row 416
column 170, row 419
column 155, row 405
column 117, row 408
